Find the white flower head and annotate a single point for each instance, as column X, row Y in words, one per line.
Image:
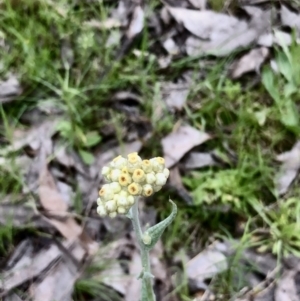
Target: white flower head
column 128, row 179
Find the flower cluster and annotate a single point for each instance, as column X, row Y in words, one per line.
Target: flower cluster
column 129, row 178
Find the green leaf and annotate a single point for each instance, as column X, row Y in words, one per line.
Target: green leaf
column 87, row 157
column 268, row 82
column 284, row 66
column 290, row 116
column 92, row 138
column 157, row 230
column 289, row 89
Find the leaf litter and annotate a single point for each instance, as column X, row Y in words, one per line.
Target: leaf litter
column 51, row 179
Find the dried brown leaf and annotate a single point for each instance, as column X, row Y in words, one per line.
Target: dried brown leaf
column 54, row 203
column 175, row 94
column 134, row 286
column 113, row 275
column 220, row 34
column 207, row 24
column 175, row 182
column 286, row 289
column 171, row 47
column 179, row 142
column 18, row 275
column 10, row 89
column 59, row 281
column 21, row 215
column 289, row 169
column 12, row 297
column 33, row 137
column 290, row 19
column 206, row 264
column 198, row 160
column 201, row 4
column 50, row 198
column 251, row 61
column 137, row 23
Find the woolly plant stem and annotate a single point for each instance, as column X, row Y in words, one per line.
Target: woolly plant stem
column 147, row 289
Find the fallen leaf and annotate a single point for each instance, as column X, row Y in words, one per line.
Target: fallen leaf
column 10, row 89
column 289, row 169
column 171, row 47
column 20, row 274
column 21, row 216
column 12, row 297
column 206, row 24
column 112, row 274
column 53, row 202
column 201, row 4
column 219, row 34
column 175, row 94
column 58, row 284
column 179, row 142
column 286, row 289
column 159, row 270
column 206, row 265
column 198, row 160
column 120, row 13
column 290, row 19
column 50, row 198
column 251, row 61
column 175, row 183
column 137, row 23
column 32, row 137
column 134, row 286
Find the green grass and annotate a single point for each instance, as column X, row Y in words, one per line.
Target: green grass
column 65, row 64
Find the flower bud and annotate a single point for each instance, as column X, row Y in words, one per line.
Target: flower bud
column 118, row 162
column 146, row 166
column 125, row 170
column 115, row 187
column 106, row 193
column 130, row 200
column 122, row 201
column 124, row 179
column 112, row 214
column 124, row 193
column 158, row 164
column 133, row 158
column 147, row 190
column 134, row 162
column 101, row 211
column 111, row 205
column 166, row 172
column 146, row 238
column 122, row 210
column 134, row 188
column 114, row 175
column 138, row 175
column 150, row 178
column 160, row 179
column 105, row 170
column 99, row 202
column 157, row 188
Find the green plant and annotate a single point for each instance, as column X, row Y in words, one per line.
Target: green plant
column 129, row 179
column 283, row 86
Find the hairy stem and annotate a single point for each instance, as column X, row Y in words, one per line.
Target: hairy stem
column 146, row 273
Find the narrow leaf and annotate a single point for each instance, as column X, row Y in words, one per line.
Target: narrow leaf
column 156, row 231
